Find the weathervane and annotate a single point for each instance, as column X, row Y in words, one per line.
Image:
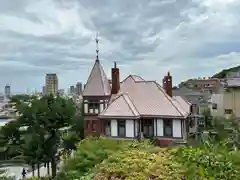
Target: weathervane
column 97, row 50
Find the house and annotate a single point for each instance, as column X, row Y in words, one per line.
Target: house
column 133, row 108
column 227, row 102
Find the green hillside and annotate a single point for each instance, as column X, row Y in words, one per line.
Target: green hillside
column 223, row 73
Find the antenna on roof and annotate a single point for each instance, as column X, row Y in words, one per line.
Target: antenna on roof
column 97, row 50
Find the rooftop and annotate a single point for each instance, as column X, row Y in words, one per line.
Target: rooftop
column 138, row 97
column 97, row 83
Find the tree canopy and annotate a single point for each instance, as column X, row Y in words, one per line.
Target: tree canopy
column 35, row 137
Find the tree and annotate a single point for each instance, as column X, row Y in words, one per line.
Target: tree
column 43, row 118
column 59, row 113
column 10, row 139
column 208, row 118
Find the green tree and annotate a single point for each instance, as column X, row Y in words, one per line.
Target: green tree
column 208, row 118
column 10, row 139
column 43, row 117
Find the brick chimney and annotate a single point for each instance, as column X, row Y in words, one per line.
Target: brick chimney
column 115, row 79
column 167, row 84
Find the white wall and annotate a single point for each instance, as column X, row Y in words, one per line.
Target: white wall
column 177, row 128
column 114, row 129
column 136, row 127
column 85, row 107
column 101, row 106
column 217, row 99
column 129, row 128
column 159, row 127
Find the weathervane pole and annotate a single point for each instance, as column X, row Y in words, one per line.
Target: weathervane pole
column 97, row 50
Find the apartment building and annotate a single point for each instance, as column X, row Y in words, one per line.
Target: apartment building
column 227, row 102
column 205, row 84
column 51, row 83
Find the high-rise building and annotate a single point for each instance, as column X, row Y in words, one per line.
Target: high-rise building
column 51, row 83
column 7, row 90
column 43, row 90
column 79, row 88
column 72, row 90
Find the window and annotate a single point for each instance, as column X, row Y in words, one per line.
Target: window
column 107, row 128
column 214, row 106
column 121, row 128
column 87, row 124
column 228, row 111
column 167, row 128
column 147, row 127
column 94, row 126
column 92, row 105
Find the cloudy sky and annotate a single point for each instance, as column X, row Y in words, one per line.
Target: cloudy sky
column 191, row 38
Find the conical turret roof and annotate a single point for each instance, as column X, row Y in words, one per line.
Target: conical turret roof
column 97, row 83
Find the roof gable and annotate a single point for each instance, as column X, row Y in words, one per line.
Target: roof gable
column 123, row 106
column 149, row 99
column 134, row 78
column 97, row 83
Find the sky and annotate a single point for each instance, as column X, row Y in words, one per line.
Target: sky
column 189, row 38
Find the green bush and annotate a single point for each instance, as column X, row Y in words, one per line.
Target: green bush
column 90, row 152
column 208, row 163
column 138, row 163
column 36, row 178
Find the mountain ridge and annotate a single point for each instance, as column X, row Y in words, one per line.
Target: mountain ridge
column 222, row 74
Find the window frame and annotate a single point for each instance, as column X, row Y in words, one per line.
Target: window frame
column 121, row 122
column 166, row 123
column 93, row 105
column 107, row 123
column 228, row 111
column 214, row 106
column 93, row 126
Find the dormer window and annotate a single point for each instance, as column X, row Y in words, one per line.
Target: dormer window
column 93, row 106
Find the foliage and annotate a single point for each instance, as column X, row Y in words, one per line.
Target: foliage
column 90, row 152
column 70, row 141
column 222, row 74
column 208, row 118
column 139, row 163
column 217, row 157
column 104, row 159
column 37, row 178
column 43, row 117
column 211, row 161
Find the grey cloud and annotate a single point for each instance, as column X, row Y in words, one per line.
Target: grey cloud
column 210, row 50
column 178, row 39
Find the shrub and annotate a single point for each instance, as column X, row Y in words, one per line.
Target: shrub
column 139, row 161
column 208, row 163
column 37, row 178
column 90, row 152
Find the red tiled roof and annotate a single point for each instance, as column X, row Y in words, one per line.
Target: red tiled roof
column 148, row 98
column 121, row 105
column 97, row 83
column 133, row 78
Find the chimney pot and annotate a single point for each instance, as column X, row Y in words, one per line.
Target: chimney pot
column 167, row 84
column 115, row 79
